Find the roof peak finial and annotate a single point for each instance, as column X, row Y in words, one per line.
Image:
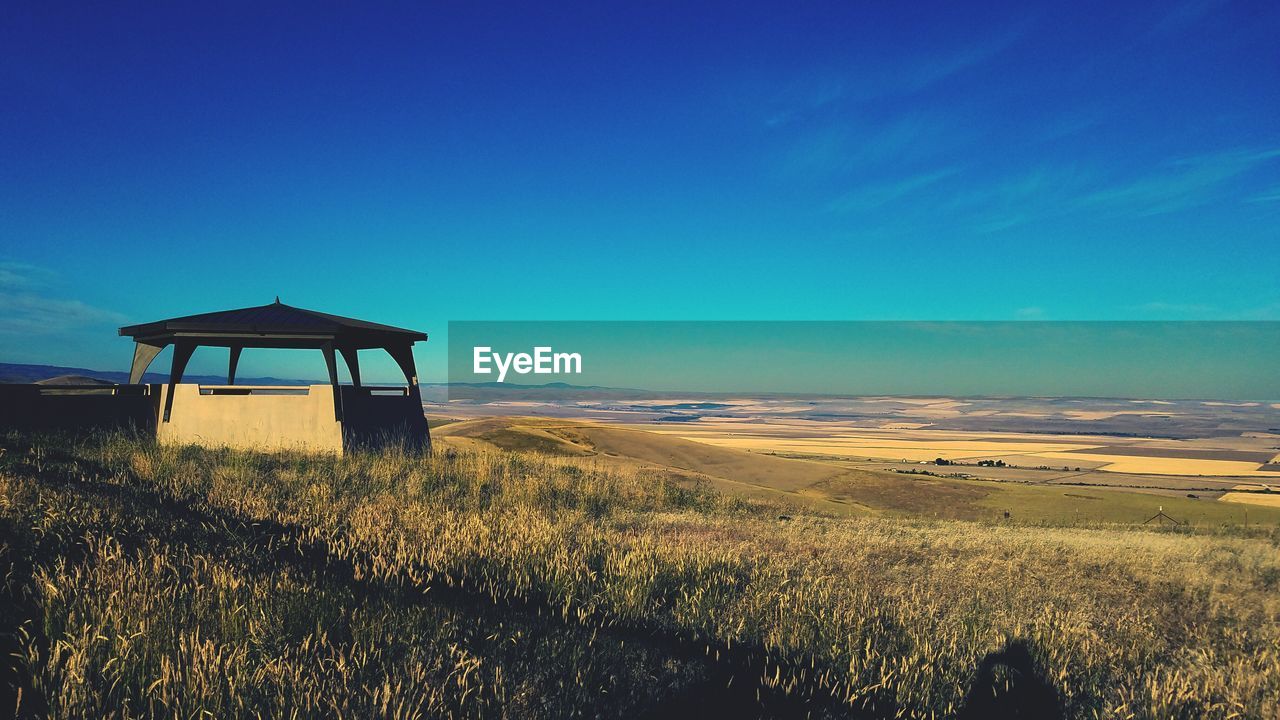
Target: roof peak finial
column 277, row 299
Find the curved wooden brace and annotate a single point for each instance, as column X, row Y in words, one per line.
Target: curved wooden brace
column 143, row 354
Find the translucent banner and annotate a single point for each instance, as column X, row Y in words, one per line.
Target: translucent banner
column 1209, row 360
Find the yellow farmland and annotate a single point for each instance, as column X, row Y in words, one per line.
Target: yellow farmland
column 878, row 447
column 1150, row 465
column 1264, row 499
column 918, row 445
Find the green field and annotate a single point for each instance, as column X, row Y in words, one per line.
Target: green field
column 142, row 580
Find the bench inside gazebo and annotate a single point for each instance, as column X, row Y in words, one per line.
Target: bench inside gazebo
column 330, row 418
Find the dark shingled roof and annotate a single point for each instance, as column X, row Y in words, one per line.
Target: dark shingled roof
column 276, row 319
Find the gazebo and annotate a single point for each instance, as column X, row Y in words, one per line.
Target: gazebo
column 270, row 416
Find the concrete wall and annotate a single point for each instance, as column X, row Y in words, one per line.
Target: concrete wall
column 78, row 408
column 252, row 418
column 240, row 416
column 373, row 418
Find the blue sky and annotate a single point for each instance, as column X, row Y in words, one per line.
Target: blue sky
column 414, row 164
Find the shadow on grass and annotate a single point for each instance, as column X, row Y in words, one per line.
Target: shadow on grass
column 1008, row 685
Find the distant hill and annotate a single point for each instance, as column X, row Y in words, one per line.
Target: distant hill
column 73, row 380
column 552, row 392
column 17, row 373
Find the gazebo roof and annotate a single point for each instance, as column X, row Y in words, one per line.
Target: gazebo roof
column 269, row 326
column 276, row 321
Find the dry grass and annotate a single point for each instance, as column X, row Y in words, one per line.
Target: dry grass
column 175, row 581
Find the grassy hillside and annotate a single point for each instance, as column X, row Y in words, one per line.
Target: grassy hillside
column 830, row 487
column 735, row 472
column 145, row 580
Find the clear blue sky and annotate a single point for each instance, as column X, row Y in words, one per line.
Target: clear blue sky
column 417, row 163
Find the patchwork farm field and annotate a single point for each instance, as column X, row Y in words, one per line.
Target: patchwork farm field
column 1186, row 453
column 849, row 471
column 1138, row 456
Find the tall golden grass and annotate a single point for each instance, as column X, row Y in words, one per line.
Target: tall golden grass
column 155, row 582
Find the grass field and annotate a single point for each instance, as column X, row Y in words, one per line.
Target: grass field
column 144, row 580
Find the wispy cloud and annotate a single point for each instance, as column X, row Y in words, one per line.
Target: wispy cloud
column 848, row 146
column 35, row 314
column 871, row 197
column 804, row 96
column 1019, row 198
column 21, row 276
column 907, row 138
column 818, row 92
column 1053, row 192
column 928, row 71
column 1177, row 185
column 832, row 123
column 29, row 309
column 1269, row 195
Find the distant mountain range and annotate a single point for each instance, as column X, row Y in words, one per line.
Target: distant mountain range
column 16, row 373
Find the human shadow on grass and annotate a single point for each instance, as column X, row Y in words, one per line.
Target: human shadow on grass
column 1008, row 685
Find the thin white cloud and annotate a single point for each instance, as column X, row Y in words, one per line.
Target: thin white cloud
column 927, row 72
column 871, row 197
column 28, row 308
column 1051, row 192
column 1177, row 185
column 830, row 91
column 15, row 276
column 849, row 146
column 1266, row 196
column 35, row 314
column 1019, row 198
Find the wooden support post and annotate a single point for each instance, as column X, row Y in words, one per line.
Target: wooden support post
column 403, row 355
column 181, row 354
column 353, row 363
column 143, row 354
column 331, row 361
column 232, row 362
